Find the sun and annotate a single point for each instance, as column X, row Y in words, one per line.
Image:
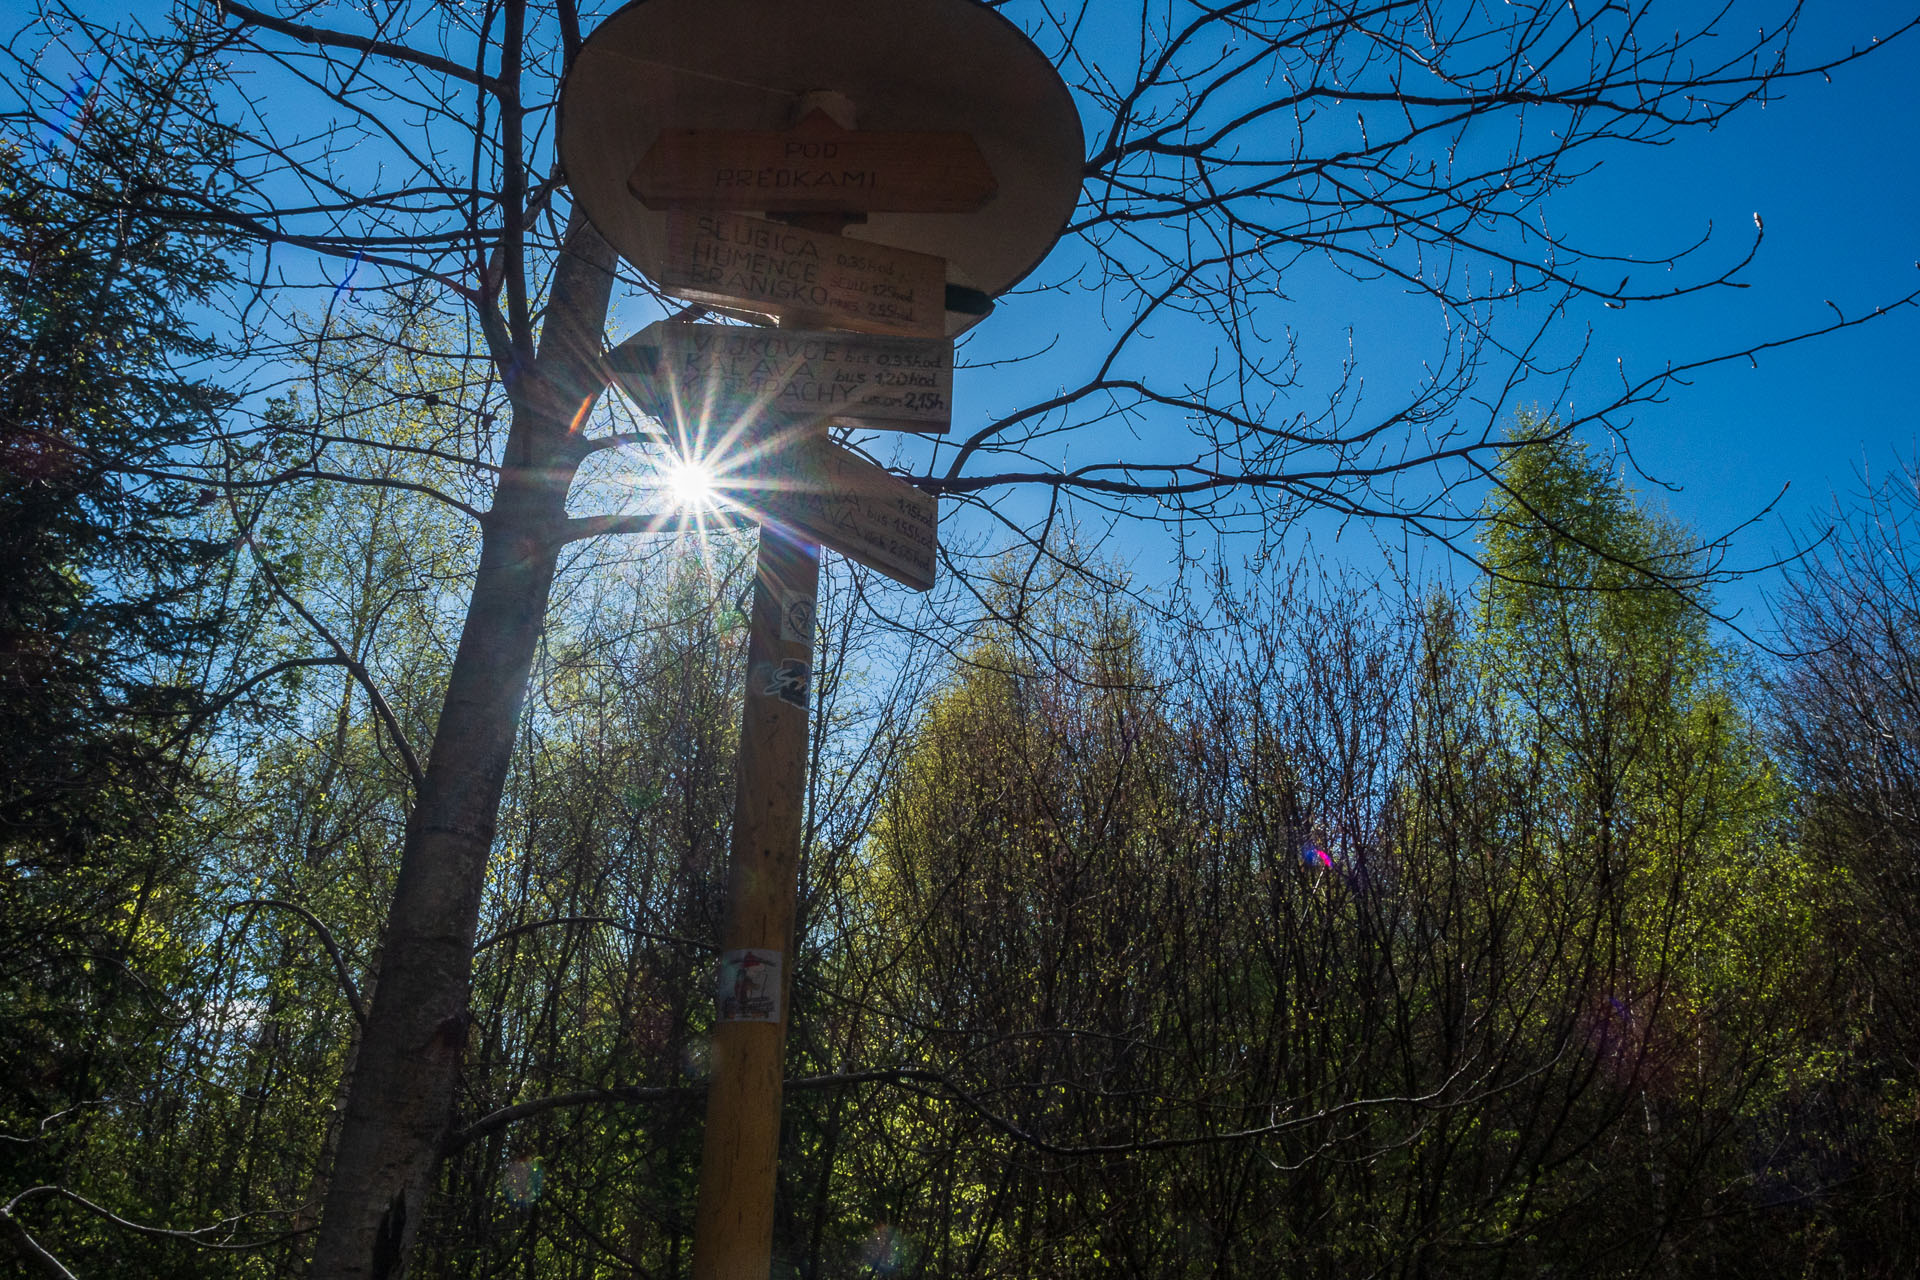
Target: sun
column 688, row 483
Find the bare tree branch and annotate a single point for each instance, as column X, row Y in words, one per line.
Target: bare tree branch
column 379, row 48
column 196, row 1237
column 353, row 665
column 347, row 986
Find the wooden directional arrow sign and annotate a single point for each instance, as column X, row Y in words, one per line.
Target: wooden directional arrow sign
column 814, row 167
column 686, row 373
column 732, row 260
column 836, row 498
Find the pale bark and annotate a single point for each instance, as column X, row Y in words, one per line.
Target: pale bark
column 400, row 1099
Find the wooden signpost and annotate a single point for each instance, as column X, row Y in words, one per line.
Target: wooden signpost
column 655, row 76
column 829, row 495
column 740, row 1148
column 789, row 375
column 732, row 260
column 816, row 166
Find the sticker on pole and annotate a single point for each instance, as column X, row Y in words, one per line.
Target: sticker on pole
column 796, row 617
column 791, row 681
column 748, row 986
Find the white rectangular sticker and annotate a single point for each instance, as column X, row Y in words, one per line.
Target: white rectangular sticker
column 747, row 985
column 796, row 618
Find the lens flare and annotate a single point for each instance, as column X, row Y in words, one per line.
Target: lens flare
column 71, row 117
column 689, row 484
column 520, row 1181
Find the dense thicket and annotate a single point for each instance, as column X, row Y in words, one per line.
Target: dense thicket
column 1334, row 931
column 1849, row 726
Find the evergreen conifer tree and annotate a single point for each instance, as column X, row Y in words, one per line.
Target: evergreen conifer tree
column 99, row 405
column 104, row 570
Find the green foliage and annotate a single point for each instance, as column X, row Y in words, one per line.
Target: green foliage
column 1535, row 1011
column 1541, row 1007
column 98, row 608
column 104, row 612
column 1669, row 815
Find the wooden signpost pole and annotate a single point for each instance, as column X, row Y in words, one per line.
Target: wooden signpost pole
column 688, row 171
column 733, row 1225
column 733, row 1222
column 740, row 1149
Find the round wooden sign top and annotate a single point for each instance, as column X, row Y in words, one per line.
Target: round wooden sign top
column 906, row 67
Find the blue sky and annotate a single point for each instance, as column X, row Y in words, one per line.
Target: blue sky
column 1834, row 171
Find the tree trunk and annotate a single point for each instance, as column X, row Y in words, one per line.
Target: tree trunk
column 400, row 1095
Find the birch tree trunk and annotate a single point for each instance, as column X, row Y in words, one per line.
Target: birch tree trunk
column 400, row 1097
